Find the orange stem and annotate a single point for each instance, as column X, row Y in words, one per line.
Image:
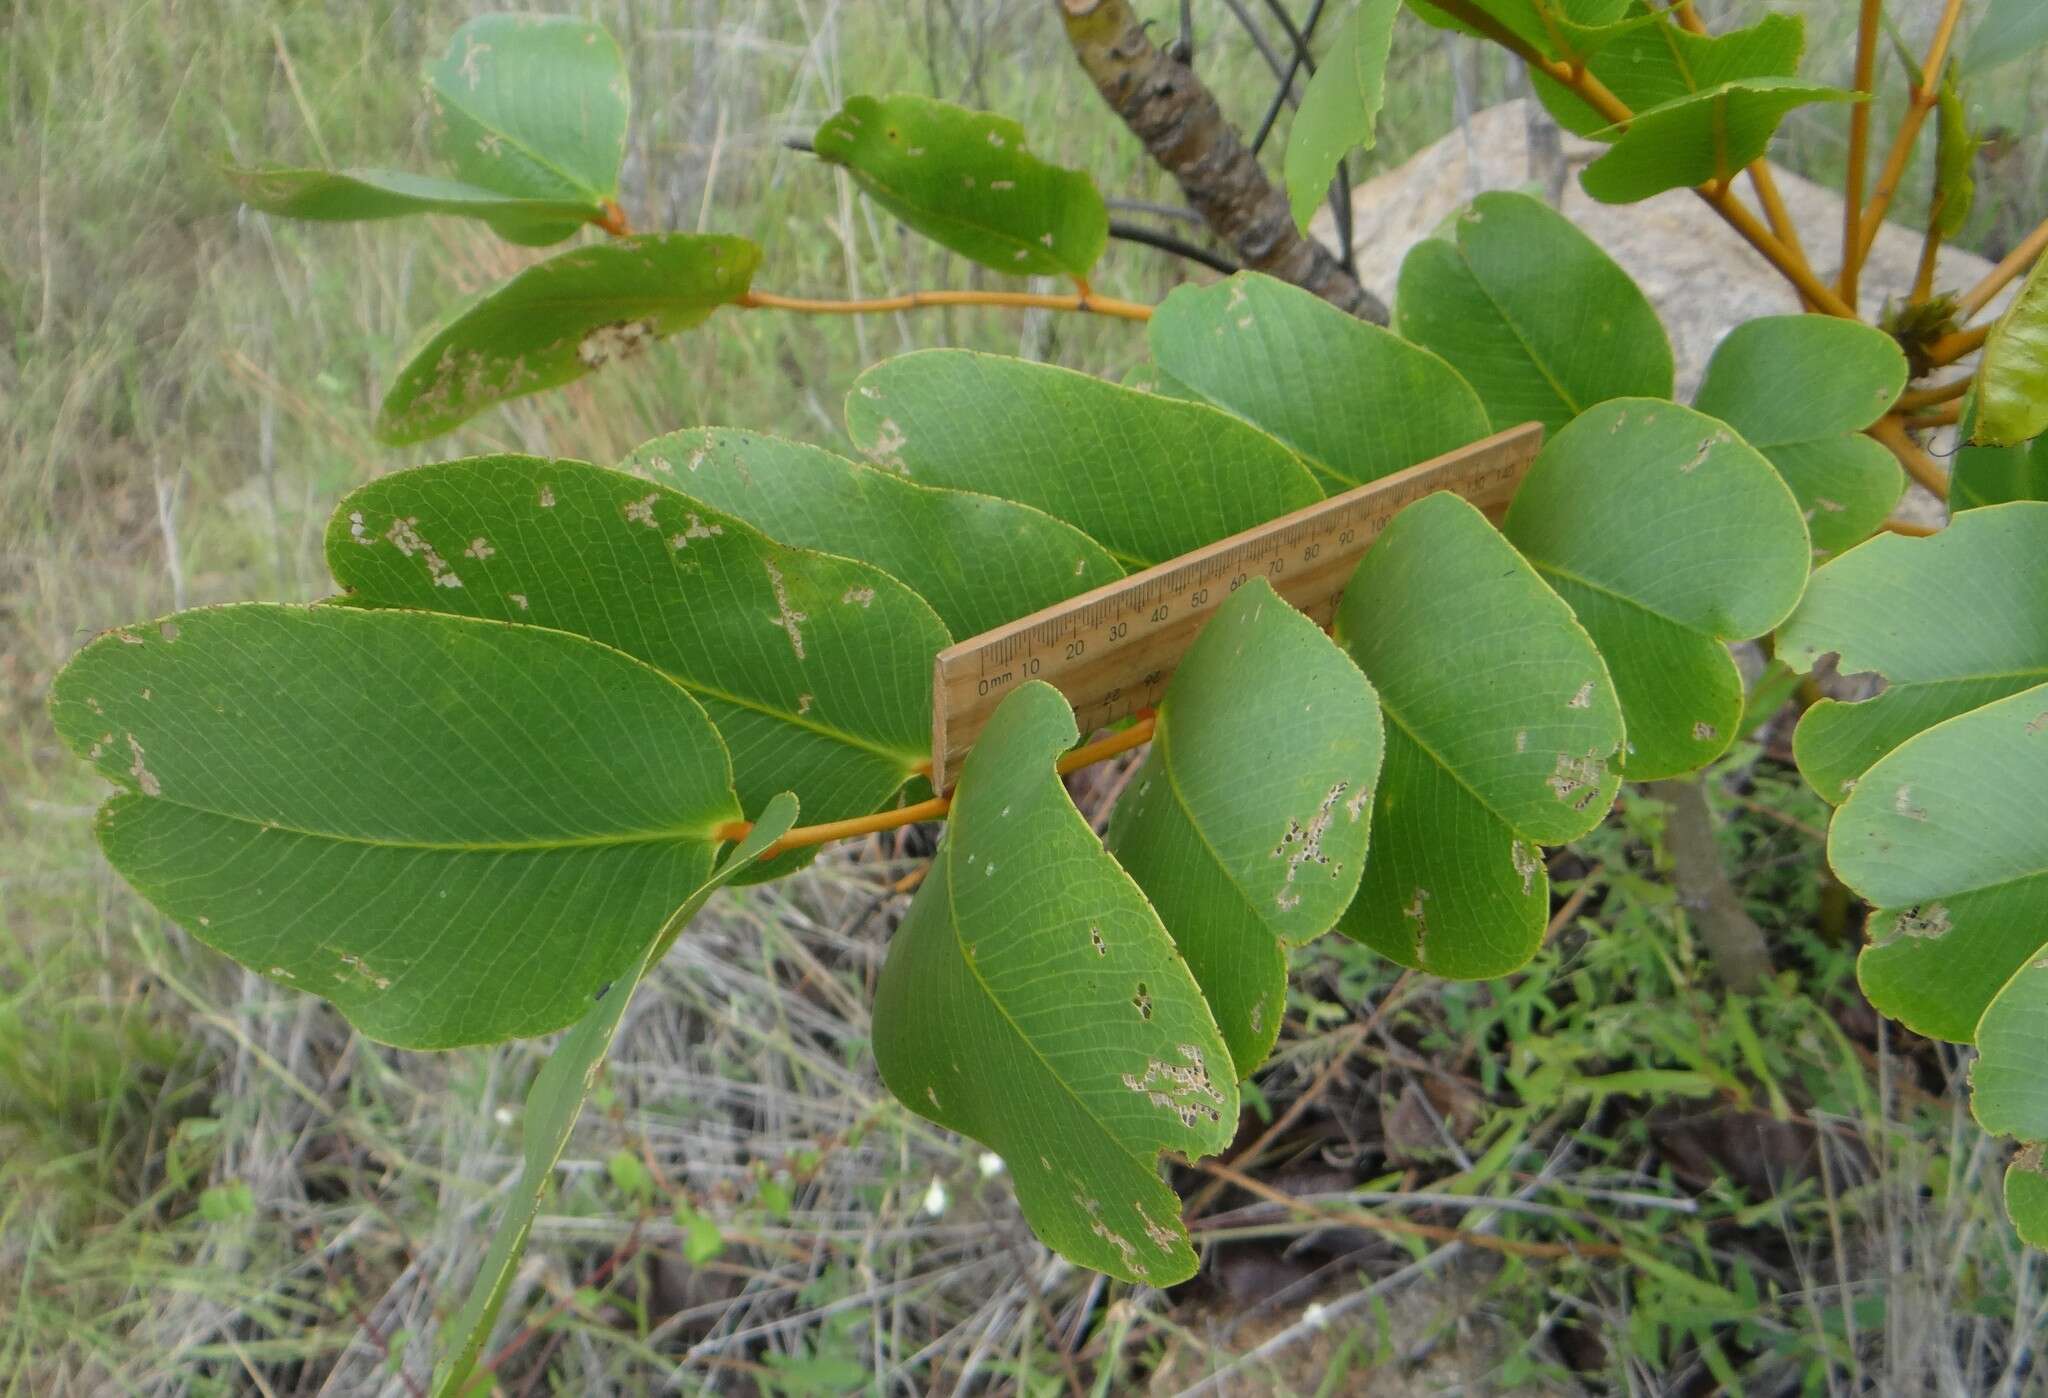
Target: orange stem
column 1919, row 465
column 614, row 220
column 2013, row 263
column 918, row 300
column 1601, row 99
column 1924, row 98
column 1859, row 148
column 1941, row 415
column 1930, row 249
column 1948, row 392
column 804, row 836
column 1949, row 348
column 1912, row 529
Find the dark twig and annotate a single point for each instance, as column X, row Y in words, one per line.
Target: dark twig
column 1166, row 242
column 1146, row 206
column 1259, row 42
column 1280, row 93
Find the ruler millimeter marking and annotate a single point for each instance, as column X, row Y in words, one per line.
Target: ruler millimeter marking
column 1111, row 651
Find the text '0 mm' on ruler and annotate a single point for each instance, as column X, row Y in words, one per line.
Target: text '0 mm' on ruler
column 1112, row 651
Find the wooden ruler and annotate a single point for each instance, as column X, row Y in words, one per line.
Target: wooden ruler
column 1112, row 651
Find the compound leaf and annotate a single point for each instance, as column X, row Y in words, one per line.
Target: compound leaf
column 558, row 320
column 1649, row 60
column 1340, row 106
column 1354, row 401
column 1947, row 835
column 1147, row 477
column 1246, row 825
column 817, row 670
column 1032, row 1001
column 2009, row 1080
column 532, row 106
column 454, row 830
column 964, row 179
column 1995, row 475
column 351, row 195
column 1538, row 319
column 1667, row 535
column 2012, row 378
column 978, row 560
column 2006, row 30
column 555, row 1101
column 1801, row 389
column 1503, row 735
column 1709, row 135
column 2026, row 1195
column 1950, row 622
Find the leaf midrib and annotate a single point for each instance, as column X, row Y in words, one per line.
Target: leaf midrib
column 674, row 835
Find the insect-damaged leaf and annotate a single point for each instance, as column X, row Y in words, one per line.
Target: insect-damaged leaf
column 1801, row 389
column 1535, row 316
column 1950, row 622
column 978, row 560
column 1709, row 135
column 1341, row 105
column 555, row 1101
column 817, row 670
column 1149, row 478
column 454, row 830
column 1032, row 1000
column 1246, row 826
column 2026, row 1195
column 532, row 106
column 1503, row 734
column 1948, row 836
column 348, row 195
column 963, row 178
column 1355, row 401
column 558, row 320
column 1668, row 535
column 2012, row 378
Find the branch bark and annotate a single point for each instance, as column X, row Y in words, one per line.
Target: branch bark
column 1167, row 107
column 1735, row 944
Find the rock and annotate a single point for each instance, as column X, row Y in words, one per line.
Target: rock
column 1698, row 272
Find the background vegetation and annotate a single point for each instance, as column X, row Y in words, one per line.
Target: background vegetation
column 207, row 1186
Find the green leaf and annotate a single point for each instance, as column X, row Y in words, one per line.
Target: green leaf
column 1955, row 185
column 1801, row 389
column 1709, row 135
column 2012, row 376
column 1649, row 60
column 1147, row 477
column 2026, row 1196
column 1950, row 622
column 964, row 179
column 558, row 320
column 1340, row 106
column 1994, row 475
column 555, row 1101
column 1535, row 316
column 1032, row 1001
column 1947, row 836
column 454, row 830
column 1667, row 535
column 1354, row 401
column 349, row 195
column 978, row 560
column 1246, row 826
column 1539, row 23
column 2009, row 1080
column 2005, row 31
column 532, row 106
column 817, row 670
column 1503, row 735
